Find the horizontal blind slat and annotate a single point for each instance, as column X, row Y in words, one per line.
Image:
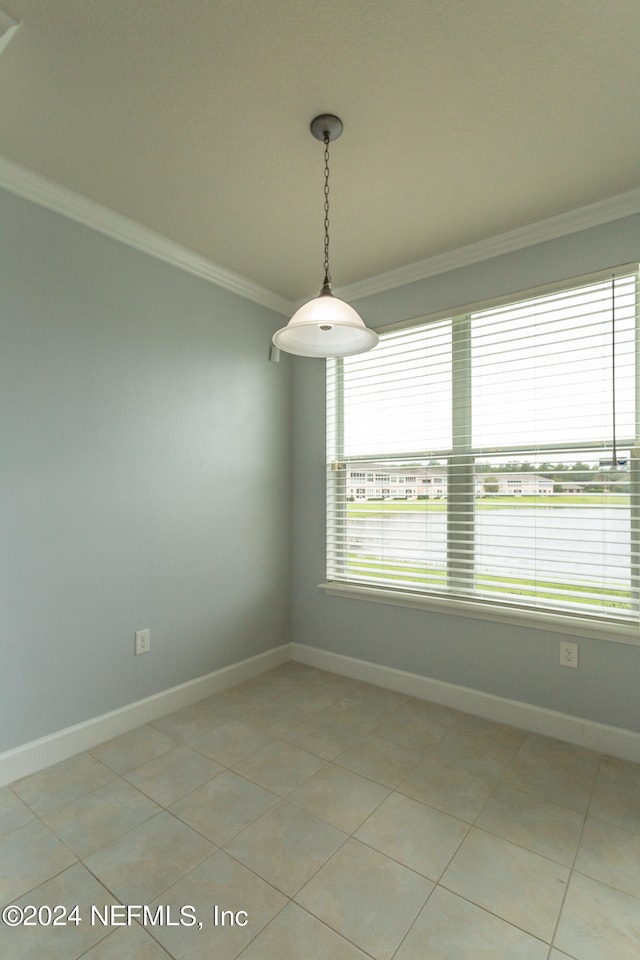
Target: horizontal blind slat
column 453, row 438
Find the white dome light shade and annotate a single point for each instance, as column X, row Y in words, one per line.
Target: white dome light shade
column 325, row 327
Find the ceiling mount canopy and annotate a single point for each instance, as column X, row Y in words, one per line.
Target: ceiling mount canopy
column 325, row 326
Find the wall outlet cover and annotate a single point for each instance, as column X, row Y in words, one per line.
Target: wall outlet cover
column 143, row 641
column 569, row 654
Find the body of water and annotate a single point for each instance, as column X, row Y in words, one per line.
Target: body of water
column 568, row 542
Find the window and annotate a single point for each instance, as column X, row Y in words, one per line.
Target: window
column 517, row 426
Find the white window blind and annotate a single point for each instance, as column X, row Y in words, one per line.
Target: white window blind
column 494, row 456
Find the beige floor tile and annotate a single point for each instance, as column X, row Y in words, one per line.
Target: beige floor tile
column 341, row 747
column 435, row 718
column 539, row 825
column 61, row 940
column 370, row 693
column 366, row 897
column 13, row 812
column 279, row 767
column 517, row 885
column 296, row 934
column 417, row 724
column 239, row 701
column 476, row 738
column 322, row 735
column 286, row 846
column 339, row 797
column 465, row 754
column 410, row 732
column 380, row 760
column 28, row 857
column 173, row 775
column 450, row 928
column 616, row 795
column 296, row 671
column 60, row 784
column 310, row 696
column 74, row 886
column 536, row 745
column 220, row 881
column 230, row 742
column 598, row 922
column 343, row 686
column 224, row 806
column 366, row 707
column 275, row 719
column 414, row 834
column 191, row 721
column 133, row 749
column 362, row 717
column 445, row 784
column 127, row 943
column 556, row 771
column 97, row 818
column 612, row 855
column 270, row 684
column 142, row 863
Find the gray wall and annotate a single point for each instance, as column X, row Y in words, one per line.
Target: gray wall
column 508, row 661
column 144, row 471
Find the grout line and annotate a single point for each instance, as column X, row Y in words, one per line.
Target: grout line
column 362, row 734
column 575, row 856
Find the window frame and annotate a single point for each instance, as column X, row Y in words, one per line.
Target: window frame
column 461, row 459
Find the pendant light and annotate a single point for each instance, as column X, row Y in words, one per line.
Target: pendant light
column 325, row 326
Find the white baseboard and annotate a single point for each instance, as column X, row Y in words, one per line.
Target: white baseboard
column 41, row 753
column 614, row 741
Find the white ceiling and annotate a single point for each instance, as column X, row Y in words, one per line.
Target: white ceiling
column 463, row 119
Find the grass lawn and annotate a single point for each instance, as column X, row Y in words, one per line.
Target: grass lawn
column 356, row 509
column 435, row 577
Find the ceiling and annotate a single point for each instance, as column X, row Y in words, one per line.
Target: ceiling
column 463, row 119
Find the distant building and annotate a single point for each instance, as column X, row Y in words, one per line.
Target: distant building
column 571, row 487
column 376, row 481
column 513, row 484
column 373, row 481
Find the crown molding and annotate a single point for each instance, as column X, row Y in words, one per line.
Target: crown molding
column 74, row 206
column 46, row 193
column 573, row 221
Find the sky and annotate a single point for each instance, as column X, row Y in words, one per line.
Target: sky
column 551, row 384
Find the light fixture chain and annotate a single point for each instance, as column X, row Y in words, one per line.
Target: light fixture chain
column 325, row 326
column 327, row 277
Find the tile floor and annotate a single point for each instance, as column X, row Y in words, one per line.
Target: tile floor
column 328, row 819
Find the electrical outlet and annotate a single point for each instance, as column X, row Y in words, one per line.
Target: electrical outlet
column 143, row 641
column 568, row 654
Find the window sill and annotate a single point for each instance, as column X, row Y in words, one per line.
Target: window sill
column 555, row 623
